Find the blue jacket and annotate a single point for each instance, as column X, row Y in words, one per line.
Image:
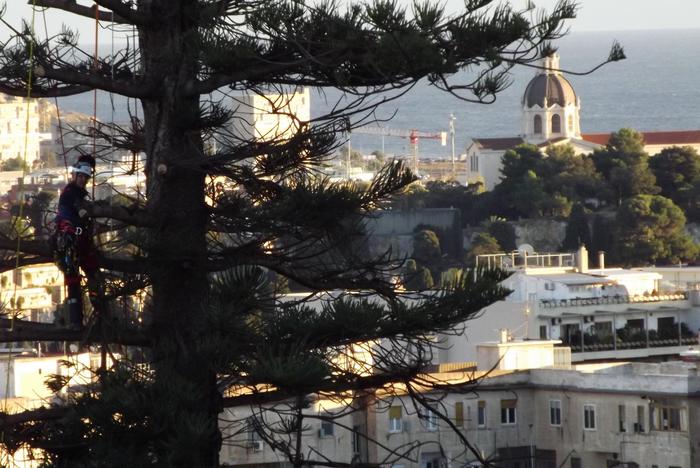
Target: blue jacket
column 69, row 203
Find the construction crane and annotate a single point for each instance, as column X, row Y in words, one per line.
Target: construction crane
column 413, row 136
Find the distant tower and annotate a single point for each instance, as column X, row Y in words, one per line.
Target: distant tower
column 550, row 105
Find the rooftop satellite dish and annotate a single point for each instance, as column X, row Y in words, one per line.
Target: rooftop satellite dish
column 526, row 249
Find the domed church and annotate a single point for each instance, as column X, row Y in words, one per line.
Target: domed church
column 550, row 116
column 550, row 106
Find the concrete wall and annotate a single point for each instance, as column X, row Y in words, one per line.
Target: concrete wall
column 395, row 228
column 460, row 345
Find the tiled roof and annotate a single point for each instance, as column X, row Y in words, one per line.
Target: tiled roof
column 681, row 137
column 498, row 143
column 552, row 141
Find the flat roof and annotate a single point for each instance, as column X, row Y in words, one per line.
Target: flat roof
column 575, row 278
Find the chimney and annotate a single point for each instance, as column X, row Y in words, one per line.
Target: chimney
column 601, row 260
column 582, row 259
column 504, row 335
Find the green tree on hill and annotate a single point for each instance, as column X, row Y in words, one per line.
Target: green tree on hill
column 417, row 278
column 625, row 166
column 427, row 251
column 677, row 171
column 651, row 230
column 571, row 175
column 520, row 192
column 482, row 244
column 603, row 237
column 503, row 232
column 577, row 230
column 529, row 187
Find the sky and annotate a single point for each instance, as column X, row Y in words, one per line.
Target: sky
column 594, row 15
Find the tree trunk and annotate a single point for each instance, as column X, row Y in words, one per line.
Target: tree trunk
column 188, row 403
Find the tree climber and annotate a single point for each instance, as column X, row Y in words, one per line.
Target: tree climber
column 72, row 241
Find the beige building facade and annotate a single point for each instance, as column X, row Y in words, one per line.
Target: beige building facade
column 595, row 415
column 20, row 130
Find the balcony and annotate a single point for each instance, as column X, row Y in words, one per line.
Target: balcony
column 628, row 337
column 617, row 299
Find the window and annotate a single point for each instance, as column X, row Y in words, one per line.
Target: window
column 255, row 443
column 432, row 461
column 667, row 325
column 543, row 332
column 459, row 414
column 431, row 420
column 475, row 163
column 570, row 121
column 589, row 417
column 556, row 123
column 622, row 417
column 356, row 440
column 635, row 325
column 555, row 412
column 327, row 429
column 481, row 413
column 538, row 125
column 395, row 419
column 639, row 425
column 665, row 417
column 508, row 411
column 575, row 462
column 603, row 330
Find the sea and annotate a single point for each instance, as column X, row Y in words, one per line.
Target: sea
column 657, row 87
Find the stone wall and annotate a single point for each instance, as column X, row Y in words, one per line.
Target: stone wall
column 545, row 235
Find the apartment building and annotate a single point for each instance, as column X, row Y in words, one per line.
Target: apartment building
column 578, row 416
column 270, row 117
column 33, row 291
column 20, row 132
column 601, row 314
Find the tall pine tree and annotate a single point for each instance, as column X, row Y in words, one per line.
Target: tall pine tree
column 211, row 321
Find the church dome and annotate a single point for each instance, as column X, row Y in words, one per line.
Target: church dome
column 553, row 88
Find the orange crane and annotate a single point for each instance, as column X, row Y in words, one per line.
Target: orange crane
column 413, row 136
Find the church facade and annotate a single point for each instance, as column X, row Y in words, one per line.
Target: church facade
column 551, row 116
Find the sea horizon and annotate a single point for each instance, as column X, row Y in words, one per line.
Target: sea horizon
column 653, row 89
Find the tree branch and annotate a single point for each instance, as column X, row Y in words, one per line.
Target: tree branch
column 255, row 397
column 23, row 330
column 43, row 93
column 124, row 10
column 42, row 253
column 93, row 80
column 133, row 217
column 122, row 13
column 40, row 414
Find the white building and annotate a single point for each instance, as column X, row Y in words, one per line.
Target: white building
column 608, row 313
column 32, row 291
column 270, row 117
column 551, row 116
column 20, row 135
